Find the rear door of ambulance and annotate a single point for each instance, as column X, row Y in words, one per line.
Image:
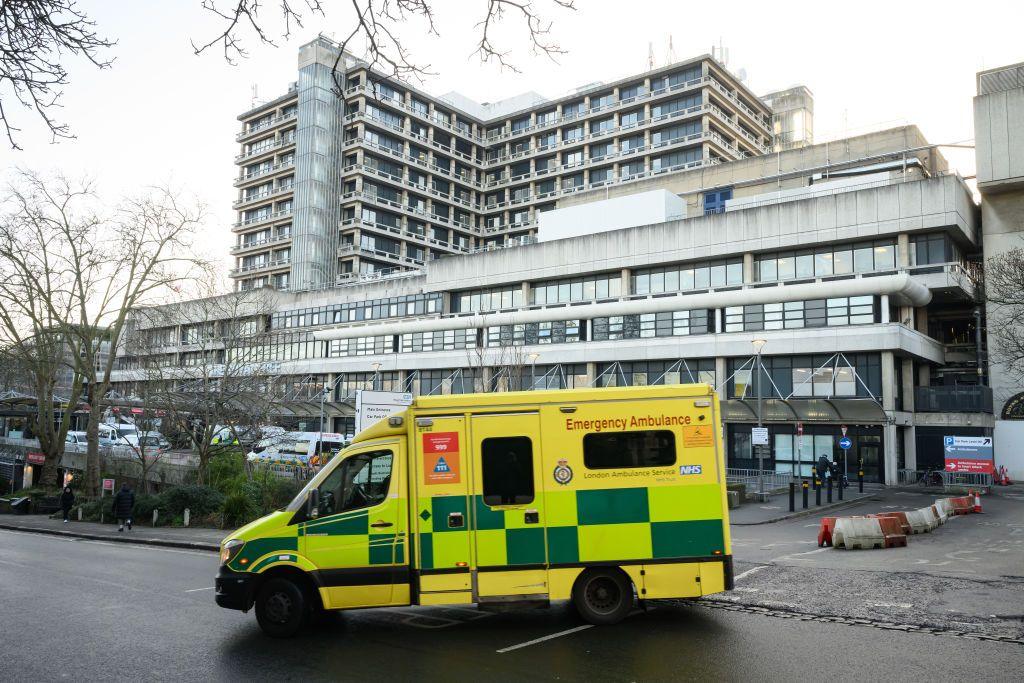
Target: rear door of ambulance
column 508, row 516
column 440, row 512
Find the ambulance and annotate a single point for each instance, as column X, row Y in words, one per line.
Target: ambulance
column 504, row 500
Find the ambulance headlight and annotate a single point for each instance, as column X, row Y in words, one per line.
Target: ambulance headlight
column 230, row 549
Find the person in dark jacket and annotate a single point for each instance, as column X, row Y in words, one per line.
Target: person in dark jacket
column 124, row 503
column 67, row 499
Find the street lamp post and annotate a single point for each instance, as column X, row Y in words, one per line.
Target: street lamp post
column 533, row 370
column 758, row 345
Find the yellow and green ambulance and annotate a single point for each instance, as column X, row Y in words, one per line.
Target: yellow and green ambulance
column 599, row 496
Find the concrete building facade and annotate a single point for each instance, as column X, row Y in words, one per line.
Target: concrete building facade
column 853, row 262
column 387, row 177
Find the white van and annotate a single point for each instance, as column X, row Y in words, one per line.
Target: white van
column 308, row 449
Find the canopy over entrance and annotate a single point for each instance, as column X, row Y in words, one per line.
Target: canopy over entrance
column 831, row 410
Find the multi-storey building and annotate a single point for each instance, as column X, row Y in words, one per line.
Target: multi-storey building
column 387, row 178
column 851, row 263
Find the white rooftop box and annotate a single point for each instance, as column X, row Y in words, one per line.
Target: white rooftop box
column 642, row 208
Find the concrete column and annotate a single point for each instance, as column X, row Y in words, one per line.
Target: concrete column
column 748, row 268
column 889, row 435
column 627, row 289
column 902, row 250
column 591, row 370
column 889, row 431
column 720, row 372
column 884, row 304
column 921, row 319
column 526, row 293
column 908, row 385
column 485, row 378
column 718, row 321
column 910, row 447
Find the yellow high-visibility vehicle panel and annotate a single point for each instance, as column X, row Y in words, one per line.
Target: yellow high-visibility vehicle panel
column 504, row 499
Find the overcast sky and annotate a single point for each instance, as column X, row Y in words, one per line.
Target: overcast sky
column 162, row 114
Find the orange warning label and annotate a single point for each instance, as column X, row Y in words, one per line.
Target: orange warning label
column 698, row 435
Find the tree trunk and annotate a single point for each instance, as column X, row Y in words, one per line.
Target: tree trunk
column 92, row 460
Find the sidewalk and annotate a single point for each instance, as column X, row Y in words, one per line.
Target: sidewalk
column 195, row 538
column 777, row 508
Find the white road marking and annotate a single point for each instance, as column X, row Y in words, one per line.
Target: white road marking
column 193, row 590
column 901, row 605
column 748, row 572
column 793, row 556
column 535, row 641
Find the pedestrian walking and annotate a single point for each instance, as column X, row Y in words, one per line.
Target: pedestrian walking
column 824, row 469
column 124, row 504
column 67, row 499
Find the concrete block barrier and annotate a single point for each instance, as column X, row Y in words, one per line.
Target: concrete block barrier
column 892, row 529
column 858, row 532
column 905, row 527
column 962, row 505
column 825, row 531
column 921, row 521
column 943, row 509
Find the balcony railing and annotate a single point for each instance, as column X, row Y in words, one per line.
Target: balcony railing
column 964, row 398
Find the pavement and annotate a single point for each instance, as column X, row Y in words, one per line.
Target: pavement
column 776, row 508
column 78, row 609
column 194, row 538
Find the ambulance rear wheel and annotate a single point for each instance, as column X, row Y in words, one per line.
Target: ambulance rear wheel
column 603, row 596
column 281, row 608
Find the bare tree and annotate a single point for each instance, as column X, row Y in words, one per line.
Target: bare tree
column 1004, row 292
column 37, row 305
column 83, row 268
column 36, row 37
column 204, row 364
column 377, row 27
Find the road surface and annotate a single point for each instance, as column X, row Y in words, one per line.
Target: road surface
column 92, row 610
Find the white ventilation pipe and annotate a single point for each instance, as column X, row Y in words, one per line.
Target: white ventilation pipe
column 900, row 286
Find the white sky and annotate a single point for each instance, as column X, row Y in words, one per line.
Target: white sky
column 161, row 114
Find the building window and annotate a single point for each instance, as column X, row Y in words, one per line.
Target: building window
column 714, row 201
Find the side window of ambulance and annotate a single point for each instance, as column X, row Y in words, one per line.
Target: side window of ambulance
column 361, row 481
column 507, row 468
column 621, row 450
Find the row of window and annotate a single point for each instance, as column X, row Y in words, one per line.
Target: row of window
column 688, row 276
column 857, row 310
column 852, row 375
column 374, row 309
column 825, row 261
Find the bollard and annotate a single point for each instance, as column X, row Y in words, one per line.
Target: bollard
column 805, row 487
column 155, row 514
column 792, row 496
column 842, row 485
column 79, row 514
column 187, row 514
column 860, row 481
column 829, row 487
column 817, row 492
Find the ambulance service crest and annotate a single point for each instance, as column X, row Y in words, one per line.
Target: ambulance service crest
column 563, row 473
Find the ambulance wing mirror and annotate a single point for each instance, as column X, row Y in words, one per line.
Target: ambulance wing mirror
column 313, row 504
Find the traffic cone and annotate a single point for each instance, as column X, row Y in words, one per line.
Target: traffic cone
column 977, row 501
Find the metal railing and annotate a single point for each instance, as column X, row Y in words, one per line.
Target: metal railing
column 753, row 479
column 945, row 480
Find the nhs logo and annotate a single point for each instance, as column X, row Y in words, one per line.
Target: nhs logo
column 689, row 469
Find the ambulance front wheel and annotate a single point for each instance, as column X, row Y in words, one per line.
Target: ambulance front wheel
column 281, row 608
column 603, row 596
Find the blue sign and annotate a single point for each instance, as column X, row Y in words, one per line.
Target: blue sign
column 845, row 443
